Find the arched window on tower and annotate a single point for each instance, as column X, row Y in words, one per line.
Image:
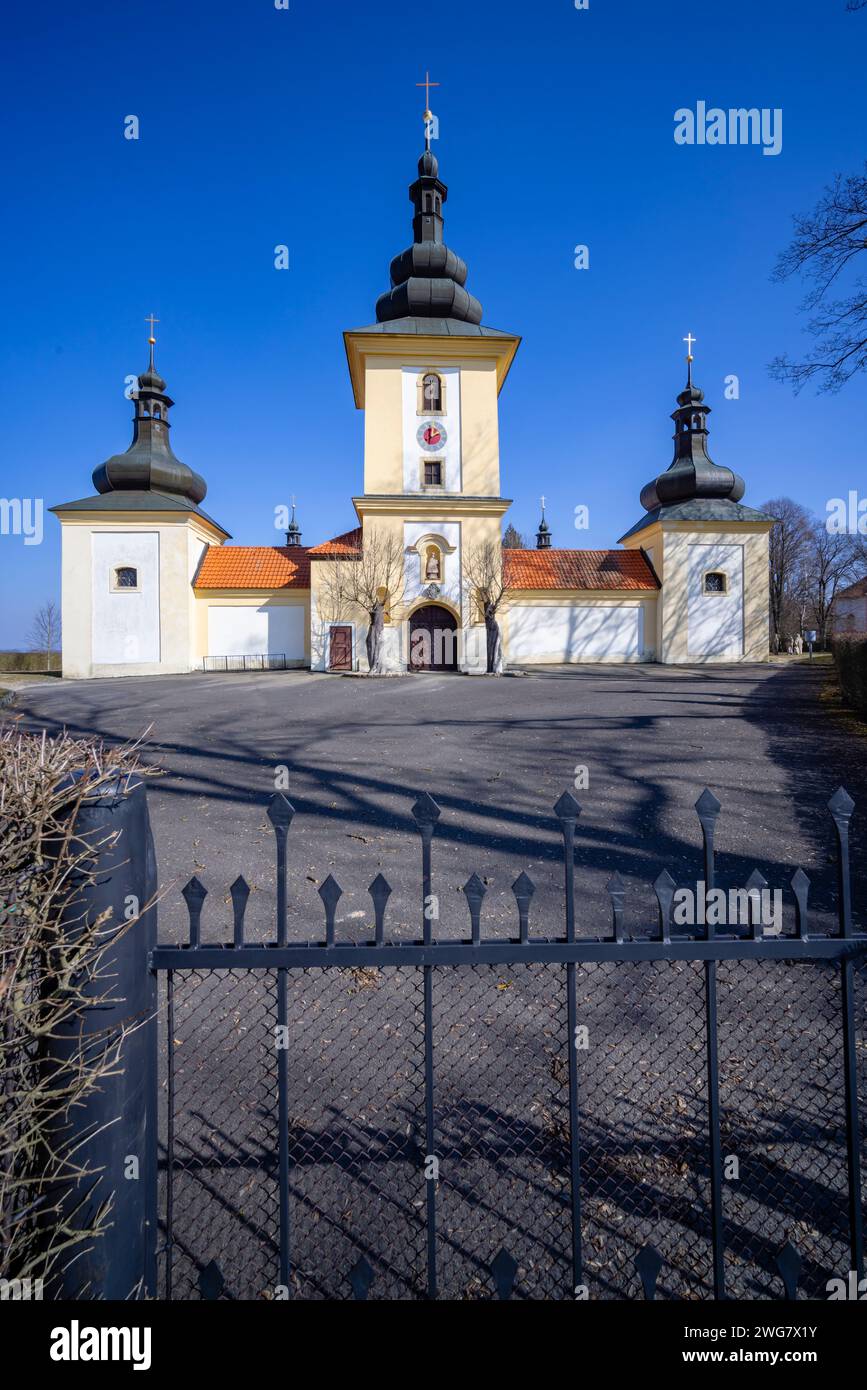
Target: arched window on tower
column 125, row 577
column 432, row 391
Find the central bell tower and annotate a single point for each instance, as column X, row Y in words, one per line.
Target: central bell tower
column 427, row 375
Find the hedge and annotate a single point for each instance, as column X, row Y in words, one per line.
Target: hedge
column 850, row 657
column 29, row 661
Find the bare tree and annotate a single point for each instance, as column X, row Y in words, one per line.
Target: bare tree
column 512, row 539
column 372, row 580
column 483, row 569
column 832, row 563
column 45, row 630
column 787, row 551
column 827, row 242
column 859, row 543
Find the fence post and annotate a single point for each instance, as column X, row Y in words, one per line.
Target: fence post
column 708, row 808
column 112, row 1131
column 841, row 807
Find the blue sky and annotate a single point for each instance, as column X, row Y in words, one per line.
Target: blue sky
column 261, row 126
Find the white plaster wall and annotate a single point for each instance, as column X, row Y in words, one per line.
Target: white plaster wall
column 393, row 661
column 413, row 452
column 243, row 630
column 318, row 631
column 715, row 622
column 575, row 632
column 125, row 626
column 450, row 585
column 473, row 658
column 196, row 548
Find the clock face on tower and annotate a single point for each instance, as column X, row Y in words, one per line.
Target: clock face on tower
column 431, row 434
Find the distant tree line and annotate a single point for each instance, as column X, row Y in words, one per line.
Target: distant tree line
column 809, row 565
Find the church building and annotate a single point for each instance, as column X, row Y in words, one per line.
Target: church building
column 151, row 584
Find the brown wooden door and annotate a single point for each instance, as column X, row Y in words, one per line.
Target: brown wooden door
column 433, row 639
column 340, row 649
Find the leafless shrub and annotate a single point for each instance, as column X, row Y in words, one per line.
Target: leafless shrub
column 48, row 951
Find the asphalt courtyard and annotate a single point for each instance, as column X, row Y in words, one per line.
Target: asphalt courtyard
column 495, row 754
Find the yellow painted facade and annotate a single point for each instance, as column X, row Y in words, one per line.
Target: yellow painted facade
column 180, row 541
column 667, row 544
column 378, row 366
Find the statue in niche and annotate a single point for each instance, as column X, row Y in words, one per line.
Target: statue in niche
column 432, row 569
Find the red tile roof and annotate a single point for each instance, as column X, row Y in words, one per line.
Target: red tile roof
column 288, row 566
column 347, row 544
column 254, row 567
column 577, row 569
column 856, row 590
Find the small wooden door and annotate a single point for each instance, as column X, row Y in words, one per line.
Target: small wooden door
column 340, row 649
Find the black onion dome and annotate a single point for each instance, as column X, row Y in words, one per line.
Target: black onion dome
column 427, row 280
column 692, row 475
column 149, row 464
column 151, row 380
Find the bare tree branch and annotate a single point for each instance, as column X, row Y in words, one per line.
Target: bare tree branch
column 827, row 242
column 787, row 548
column 483, row 570
column 832, row 563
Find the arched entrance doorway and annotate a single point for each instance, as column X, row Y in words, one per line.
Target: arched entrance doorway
column 433, row 639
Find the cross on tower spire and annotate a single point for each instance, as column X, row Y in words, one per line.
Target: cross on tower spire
column 689, row 340
column 428, row 114
column 149, row 318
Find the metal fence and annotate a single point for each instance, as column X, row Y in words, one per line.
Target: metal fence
column 260, row 661
column 674, row 1114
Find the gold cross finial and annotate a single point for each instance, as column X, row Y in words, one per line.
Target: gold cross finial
column 427, row 84
column 689, row 340
column 149, row 318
